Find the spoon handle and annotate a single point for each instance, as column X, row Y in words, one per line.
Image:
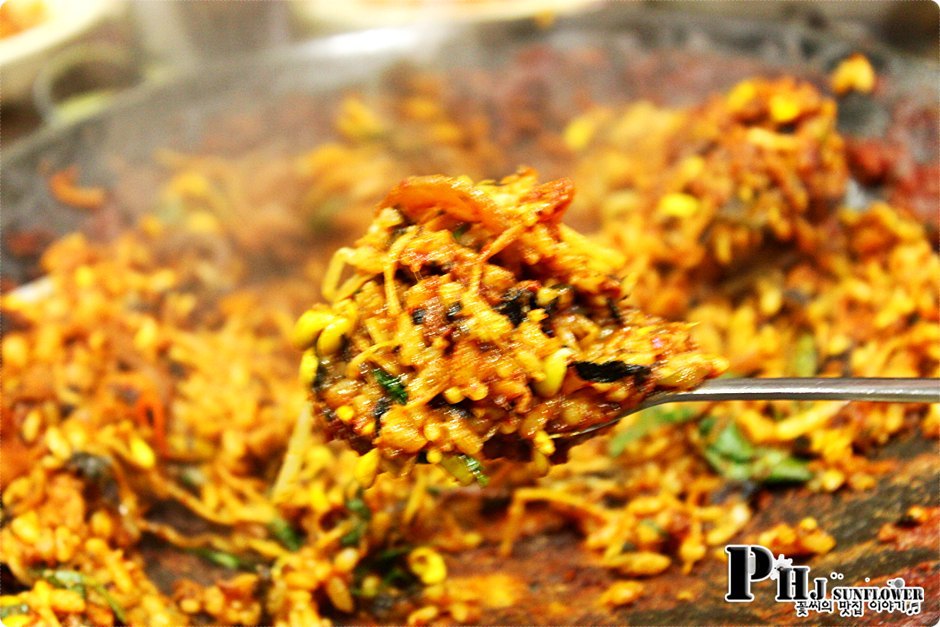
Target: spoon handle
column 888, row 390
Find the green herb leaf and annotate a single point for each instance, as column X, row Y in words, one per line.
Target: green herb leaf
column 68, row 579
column 192, row 477
column 13, row 610
column 804, row 361
column 731, row 443
column 285, row 533
column 647, row 421
column 764, row 465
column 465, row 469
column 706, row 425
column 776, row 466
column 392, row 385
column 727, row 468
column 358, row 507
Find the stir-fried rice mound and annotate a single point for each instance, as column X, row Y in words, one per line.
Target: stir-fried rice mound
column 476, row 323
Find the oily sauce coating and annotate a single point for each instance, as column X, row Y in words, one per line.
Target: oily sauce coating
column 473, row 313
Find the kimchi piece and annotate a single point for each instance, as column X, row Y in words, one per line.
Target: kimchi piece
column 470, row 322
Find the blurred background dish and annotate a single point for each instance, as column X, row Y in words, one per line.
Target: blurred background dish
column 33, row 30
column 366, row 13
column 159, row 39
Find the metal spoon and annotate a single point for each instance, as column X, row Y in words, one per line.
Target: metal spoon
column 883, row 390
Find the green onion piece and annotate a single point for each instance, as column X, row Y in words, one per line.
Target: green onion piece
column 192, row 477
column 72, row 580
column 393, row 553
column 647, row 421
column 220, row 558
column 285, row 533
column 68, row 579
column 13, row 610
column 116, row 608
column 354, row 535
column 392, row 385
column 398, row 577
column 465, row 469
column 460, row 230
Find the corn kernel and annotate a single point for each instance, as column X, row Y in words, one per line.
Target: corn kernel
column 427, row 565
column 26, row 527
column 741, row 95
column 433, row 431
column 370, row 586
column 202, row 222
column 309, row 326
column 141, row 453
column 147, row 334
column 640, row 563
column 340, row 597
column 31, row 426
column 345, row 413
column 367, row 467
column 554, row 368
column 622, row 593
column 579, row 132
column 191, row 183
column 831, row 480
column 809, row 524
column 84, row 276
column 357, row 121
column 541, row 463
column 308, row 367
column 784, row 108
column 346, row 560
column 17, row 620
column 450, row 293
column 15, row 352
column 477, row 391
column 545, row 295
column 423, row 616
column 101, row 524
column 854, row 73
column 68, row 601
column 331, row 338
column 544, row 443
column 678, row 205
column 318, row 500
column 435, row 456
column 453, row 395
column 57, row 444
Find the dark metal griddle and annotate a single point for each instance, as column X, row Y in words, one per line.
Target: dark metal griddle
column 287, row 96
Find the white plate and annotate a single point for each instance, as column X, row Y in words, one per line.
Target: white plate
column 22, row 55
column 369, row 13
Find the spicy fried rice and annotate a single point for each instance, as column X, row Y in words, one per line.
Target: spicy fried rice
column 150, row 387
